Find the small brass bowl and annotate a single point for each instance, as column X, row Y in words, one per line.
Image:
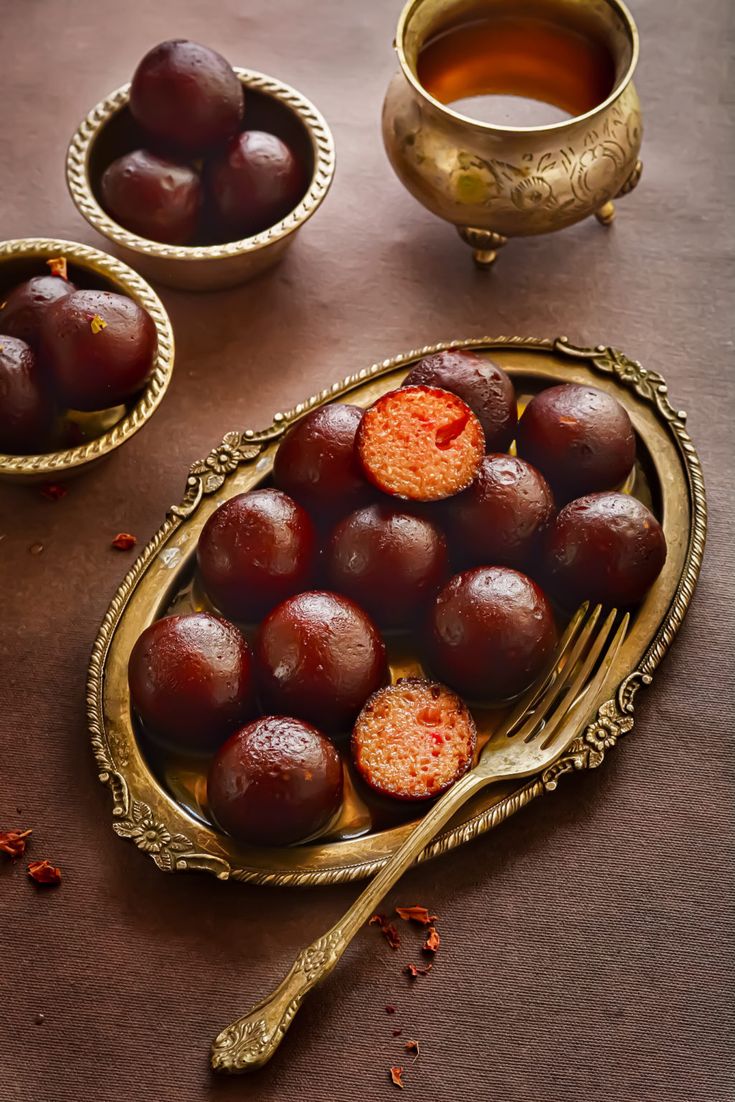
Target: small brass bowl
column 108, row 131
column 105, row 430
column 495, row 181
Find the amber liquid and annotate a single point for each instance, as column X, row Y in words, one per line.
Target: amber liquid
column 516, row 72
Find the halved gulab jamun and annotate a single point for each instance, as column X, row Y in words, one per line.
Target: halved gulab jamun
column 253, row 184
column 414, row 739
column 502, row 517
column 478, row 381
column 491, row 633
column 98, row 348
column 317, row 464
column 256, row 549
column 274, row 782
column 26, row 410
column 420, row 443
column 186, row 96
column 579, row 437
column 606, row 548
column 319, row 657
column 387, row 560
column 153, row 196
column 23, row 309
column 191, row 681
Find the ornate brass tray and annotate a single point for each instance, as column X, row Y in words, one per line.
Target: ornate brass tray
column 161, row 805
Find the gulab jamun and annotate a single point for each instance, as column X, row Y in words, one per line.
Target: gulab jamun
column 191, row 681
column 491, row 633
column 502, row 517
column 319, row 656
column 414, row 739
column 579, row 437
column 274, row 782
column 420, row 443
column 98, row 348
column 152, row 196
column 256, row 549
column 23, row 309
column 26, row 411
column 387, row 560
column 186, row 96
column 316, row 461
column 479, row 382
column 606, row 548
column 253, row 184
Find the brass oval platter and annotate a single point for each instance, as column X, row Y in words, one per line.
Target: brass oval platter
column 161, row 805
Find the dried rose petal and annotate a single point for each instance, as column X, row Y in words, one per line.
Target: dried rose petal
column 397, row 1032
column 54, row 491
column 13, row 842
column 414, row 970
column 123, row 541
column 432, row 941
column 387, row 929
column 57, row 267
column 390, row 1010
column 412, row 1046
column 396, row 1077
column 43, row 872
column 416, row 914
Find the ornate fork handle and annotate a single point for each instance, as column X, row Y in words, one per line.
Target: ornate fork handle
column 249, row 1042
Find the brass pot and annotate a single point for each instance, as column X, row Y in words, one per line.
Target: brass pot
column 497, row 181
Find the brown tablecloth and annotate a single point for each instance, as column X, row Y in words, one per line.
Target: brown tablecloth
column 587, row 944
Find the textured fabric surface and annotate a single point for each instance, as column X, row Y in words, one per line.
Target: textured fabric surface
column 587, row 944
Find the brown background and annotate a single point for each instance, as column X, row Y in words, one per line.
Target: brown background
column 587, row 944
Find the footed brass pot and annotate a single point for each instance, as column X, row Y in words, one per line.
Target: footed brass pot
column 492, row 181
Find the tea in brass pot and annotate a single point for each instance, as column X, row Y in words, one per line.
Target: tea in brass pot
column 510, row 119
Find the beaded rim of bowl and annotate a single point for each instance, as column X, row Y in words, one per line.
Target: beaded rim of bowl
column 77, row 175
column 126, row 281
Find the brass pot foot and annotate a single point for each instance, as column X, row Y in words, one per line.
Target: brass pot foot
column 606, row 214
column 484, row 244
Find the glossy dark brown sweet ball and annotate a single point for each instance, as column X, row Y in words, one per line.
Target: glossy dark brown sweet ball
column 98, row 348
column 479, row 382
column 491, row 633
column 413, row 740
column 253, row 184
column 319, row 657
column 274, row 782
column 186, row 96
column 389, row 561
column 191, row 681
column 153, row 197
column 255, row 550
column 26, row 411
column 501, row 519
column 420, row 443
column 579, row 437
column 317, row 464
column 606, row 548
column 21, row 313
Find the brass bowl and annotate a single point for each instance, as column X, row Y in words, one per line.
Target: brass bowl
column 108, row 131
column 107, row 429
column 159, row 802
column 497, row 181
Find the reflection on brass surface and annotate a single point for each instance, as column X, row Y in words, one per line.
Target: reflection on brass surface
column 529, row 741
column 26, row 257
column 514, row 181
column 148, row 814
column 107, row 132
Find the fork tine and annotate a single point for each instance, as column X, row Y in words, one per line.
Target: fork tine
column 557, row 687
column 529, row 700
column 562, row 715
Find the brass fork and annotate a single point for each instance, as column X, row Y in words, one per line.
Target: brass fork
column 538, row 731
